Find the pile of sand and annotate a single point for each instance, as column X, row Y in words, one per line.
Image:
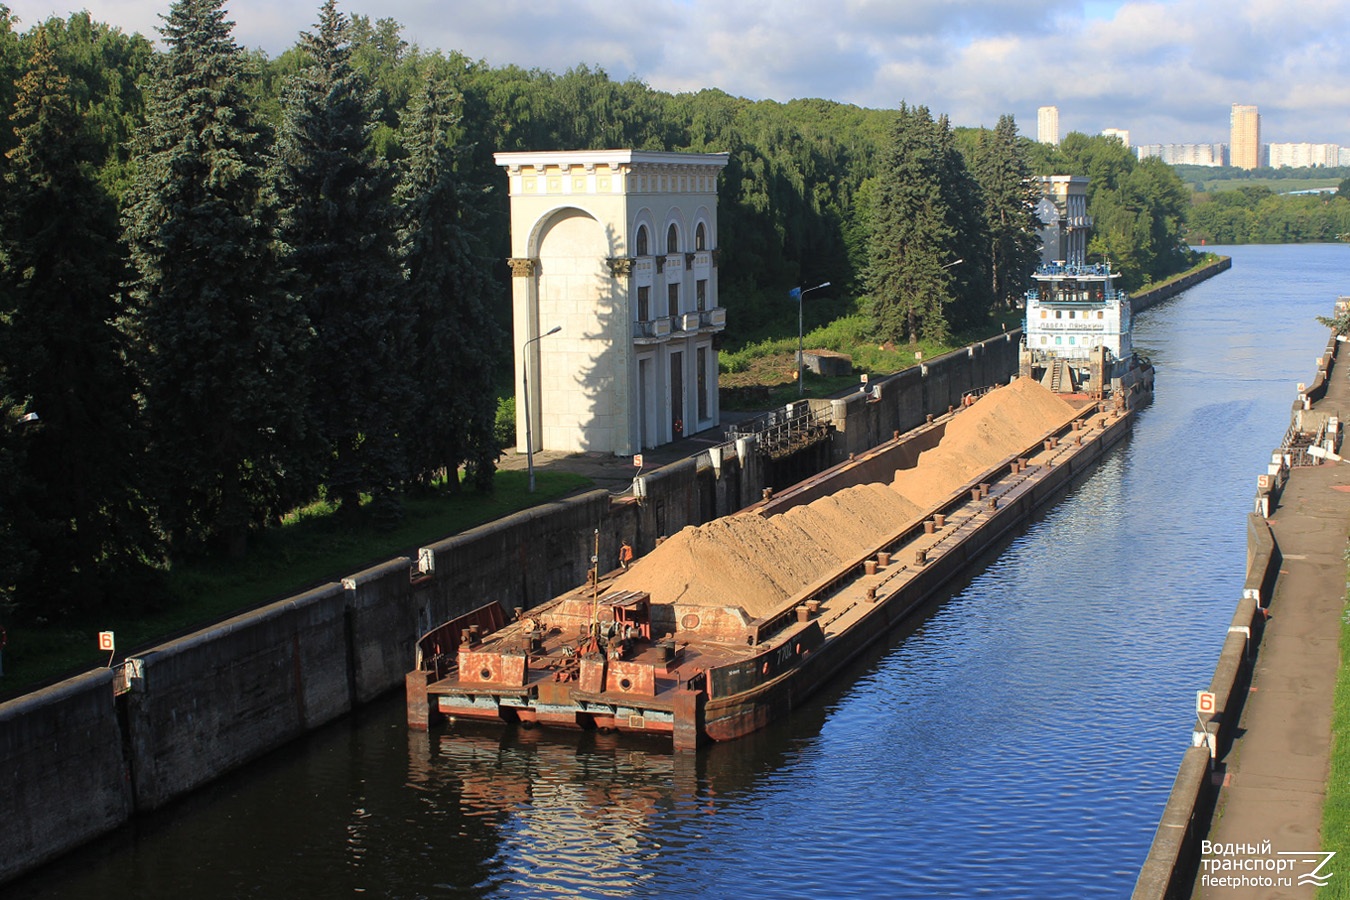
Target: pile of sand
column 756, row 563
column 1001, row 423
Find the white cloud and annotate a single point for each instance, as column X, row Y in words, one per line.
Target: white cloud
column 1167, row 70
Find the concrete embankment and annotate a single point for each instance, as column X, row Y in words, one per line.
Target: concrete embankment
column 1144, row 299
column 1259, row 756
column 86, row 755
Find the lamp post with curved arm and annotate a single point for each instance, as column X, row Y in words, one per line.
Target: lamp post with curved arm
column 525, row 391
column 800, row 294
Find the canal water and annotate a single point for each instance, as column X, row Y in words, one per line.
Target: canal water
column 1018, row 739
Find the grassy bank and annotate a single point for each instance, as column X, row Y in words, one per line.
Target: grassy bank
column 1336, row 806
column 764, row 374
column 311, row 548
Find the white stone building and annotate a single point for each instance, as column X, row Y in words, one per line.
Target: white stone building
column 1064, row 218
column 618, row 250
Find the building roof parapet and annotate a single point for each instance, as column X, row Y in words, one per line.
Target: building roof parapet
column 614, row 159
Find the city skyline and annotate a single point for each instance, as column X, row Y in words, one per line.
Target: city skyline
column 1161, row 69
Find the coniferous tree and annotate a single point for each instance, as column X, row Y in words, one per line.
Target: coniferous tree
column 964, row 202
column 908, row 273
column 455, row 339
column 76, row 499
column 335, row 217
column 222, row 345
column 1010, row 197
column 17, row 558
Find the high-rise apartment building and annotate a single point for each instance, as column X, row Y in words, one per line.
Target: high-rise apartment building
column 1047, row 125
column 1120, row 134
column 1185, row 154
column 1303, row 155
column 1244, row 142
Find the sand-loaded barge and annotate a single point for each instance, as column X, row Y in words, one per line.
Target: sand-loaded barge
column 725, row 626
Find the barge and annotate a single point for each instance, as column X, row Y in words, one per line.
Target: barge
column 610, row 657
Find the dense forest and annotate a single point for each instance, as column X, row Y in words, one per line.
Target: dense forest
column 1254, row 214
column 233, row 283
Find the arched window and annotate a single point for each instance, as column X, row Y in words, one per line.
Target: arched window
column 642, row 248
column 672, row 240
column 700, row 237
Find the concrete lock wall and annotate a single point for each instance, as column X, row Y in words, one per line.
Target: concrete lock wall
column 380, row 606
column 1144, row 299
column 65, row 775
column 520, row 560
column 905, row 400
column 212, row 701
column 209, row 702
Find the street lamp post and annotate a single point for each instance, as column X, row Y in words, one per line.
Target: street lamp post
column 525, row 391
column 800, row 294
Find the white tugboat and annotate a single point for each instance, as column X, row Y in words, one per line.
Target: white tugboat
column 1076, row 337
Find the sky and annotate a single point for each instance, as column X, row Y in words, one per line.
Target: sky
column 1168, row 71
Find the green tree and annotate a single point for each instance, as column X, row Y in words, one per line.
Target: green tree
column 221, row 343
column 456, row 342
column 105, row 68
column 17, row 557
column 82, row 516
column 1010, row 197
column 909, row 274
column 964, row 203
column 1138, row 208
column 335, row 217
column 12, row 63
